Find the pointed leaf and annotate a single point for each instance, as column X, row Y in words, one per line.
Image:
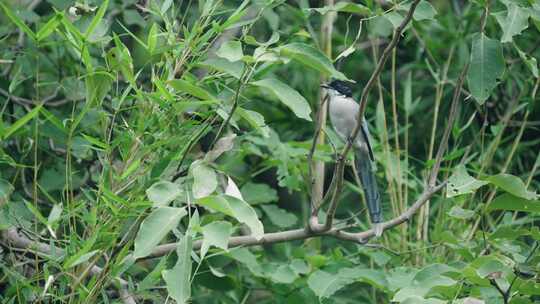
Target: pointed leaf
column 460, row 182
column 255, row 119
column 508, row 201
column 244, row 213
column 487, row 65
column 513, row 185
column 162, row 193
column 311, row 57
column 49, row 27
column 18, row 21
column 513, row 22
column 155, row 227
column 178, row 278
column 21, row 122
column 215, row 234
column 279, row 217
column 231, row 50
column 204, row 179
column 97, row 19
column 290, row 97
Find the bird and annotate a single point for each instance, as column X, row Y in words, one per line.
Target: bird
column 343, row 112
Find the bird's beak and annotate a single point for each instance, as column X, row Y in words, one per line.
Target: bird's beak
column 325, row 86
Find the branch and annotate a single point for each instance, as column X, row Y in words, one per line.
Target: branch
column 340, row 165
column 20, row 241
column 302, row 234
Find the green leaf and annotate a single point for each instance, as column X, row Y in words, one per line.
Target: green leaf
column 513, row 22
column 508, row 201
column 15, row 19
column 429, row 277
column 279, row 217
column 284, row 274
column 422, row 300
column 258, row 193
column 197, row 91
column 460, row 182
column 529, row 61
column 119, row 59
column 204, row 179
column 178, row 278
column 290, row 97
column 79, row 259
column 311, row 57
column 460, row 213
column 345, row 7
column 50, row 26
column 215, row 203
column 215, row 234
column 513, row 185
column 395, row 18
column 152, row 38
column 486, row 66
column 21, row 122
column 231, row 50
column 223, row 145
column 244, row 213
column 97, row 19
column 424, row 11
column 155, row 227
column 236, row 208
column 325, row 284
column 255, row 119
column 162, row 193
column 234, row 69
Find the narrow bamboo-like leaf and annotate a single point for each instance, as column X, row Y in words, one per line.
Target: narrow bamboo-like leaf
column 21, row 122
column 50, row 26
column 155, row 227
column 152, row 38
column 97, row 19
column 15, row 19
column 79, row 259
column 288, row 96
column 197, row 91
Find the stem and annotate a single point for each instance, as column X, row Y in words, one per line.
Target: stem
column 317, row 167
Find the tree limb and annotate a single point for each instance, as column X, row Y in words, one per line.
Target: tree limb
column 301, row 234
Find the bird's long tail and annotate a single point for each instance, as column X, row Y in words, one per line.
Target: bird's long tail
column 369, row 183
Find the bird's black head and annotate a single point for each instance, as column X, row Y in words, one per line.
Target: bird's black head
column 342, row 87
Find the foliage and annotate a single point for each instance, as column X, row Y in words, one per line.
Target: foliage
column 159, row 150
